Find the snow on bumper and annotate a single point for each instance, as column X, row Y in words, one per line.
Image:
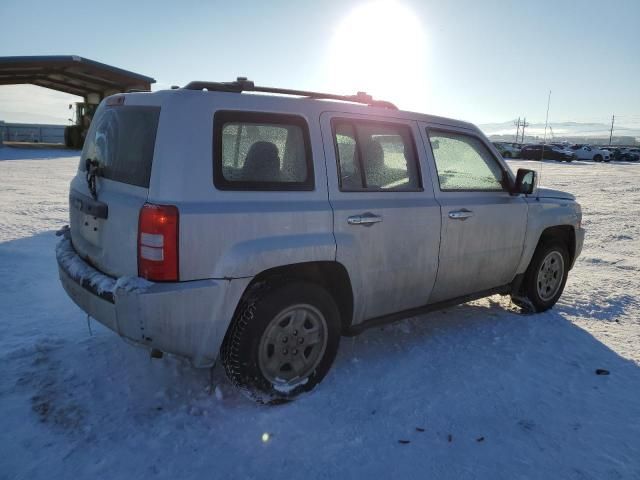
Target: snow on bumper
column 185, row 318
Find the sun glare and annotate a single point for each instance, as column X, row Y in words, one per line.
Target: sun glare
column 379, row 48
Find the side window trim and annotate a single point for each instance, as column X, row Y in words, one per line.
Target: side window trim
column 220, row 117
column 357, row 152
column 353, row 121
column 505, row 173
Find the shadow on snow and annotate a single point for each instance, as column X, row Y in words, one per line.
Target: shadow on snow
column 525, row 384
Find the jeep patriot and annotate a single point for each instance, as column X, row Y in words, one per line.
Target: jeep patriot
column 258, row 225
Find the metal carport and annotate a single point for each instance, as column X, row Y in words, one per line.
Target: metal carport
column 76, row 75
column 71, row 74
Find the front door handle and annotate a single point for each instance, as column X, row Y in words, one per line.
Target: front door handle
column 366, row 219
column 462, row 214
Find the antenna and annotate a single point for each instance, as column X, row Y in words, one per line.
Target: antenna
column 544, row 139
column 546, row 122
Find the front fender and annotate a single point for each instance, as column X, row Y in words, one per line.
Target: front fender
column 543, row 214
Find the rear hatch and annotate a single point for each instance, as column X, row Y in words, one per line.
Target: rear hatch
column 104, row 223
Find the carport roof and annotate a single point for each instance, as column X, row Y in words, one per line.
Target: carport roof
column 70, row 74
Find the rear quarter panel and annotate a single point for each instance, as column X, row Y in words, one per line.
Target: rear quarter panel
column 233, row 234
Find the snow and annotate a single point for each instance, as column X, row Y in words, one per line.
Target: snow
column 102, row 283
column 80, row 270
column 477, row 391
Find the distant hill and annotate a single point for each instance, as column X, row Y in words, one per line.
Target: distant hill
column 570, row 131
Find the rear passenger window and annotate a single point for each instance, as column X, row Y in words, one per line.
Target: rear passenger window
column 375, row 156
column 464, row 163
column 257, row 151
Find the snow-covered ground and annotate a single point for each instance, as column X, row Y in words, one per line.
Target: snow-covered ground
column 476, row 391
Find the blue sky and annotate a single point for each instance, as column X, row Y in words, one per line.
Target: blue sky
column 482, row 61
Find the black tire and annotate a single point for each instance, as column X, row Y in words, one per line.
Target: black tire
column 506, row 155
column 597, row 158
column 75, row 138
column 261, row 304
column 529, row 290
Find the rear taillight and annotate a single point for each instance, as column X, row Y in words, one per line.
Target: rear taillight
column 158, row 242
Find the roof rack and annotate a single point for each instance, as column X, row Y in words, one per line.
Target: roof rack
column 244, row 85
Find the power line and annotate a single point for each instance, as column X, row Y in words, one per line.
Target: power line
column 524, row 124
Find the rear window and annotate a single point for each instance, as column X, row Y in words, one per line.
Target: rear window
column 261, row 151
column 122, row 140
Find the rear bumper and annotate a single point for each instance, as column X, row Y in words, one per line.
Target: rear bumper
column 188, row 319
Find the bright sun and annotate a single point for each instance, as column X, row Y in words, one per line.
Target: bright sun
column 379, row 48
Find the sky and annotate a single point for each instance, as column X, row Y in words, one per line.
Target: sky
column 481, row 61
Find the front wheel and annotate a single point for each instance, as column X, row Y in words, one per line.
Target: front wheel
column 545, row 278
column 282, row 341
column 597, row 158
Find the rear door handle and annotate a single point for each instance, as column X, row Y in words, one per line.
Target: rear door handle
column 366, row 219
column 462, row 214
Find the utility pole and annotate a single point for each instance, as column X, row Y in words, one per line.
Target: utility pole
column 613, row 119
column 517, row 129
column 524, row 124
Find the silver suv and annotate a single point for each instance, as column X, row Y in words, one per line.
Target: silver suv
column 213, row 222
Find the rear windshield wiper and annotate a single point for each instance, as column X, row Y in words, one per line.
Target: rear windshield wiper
column 93, row 170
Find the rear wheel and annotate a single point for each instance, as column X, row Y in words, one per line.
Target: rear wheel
column 506, row 155
column 545, row 278
column 282, row 341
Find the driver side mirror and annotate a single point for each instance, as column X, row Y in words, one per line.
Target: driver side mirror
column 526, row 181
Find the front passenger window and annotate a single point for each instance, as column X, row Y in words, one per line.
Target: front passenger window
column 464, row 163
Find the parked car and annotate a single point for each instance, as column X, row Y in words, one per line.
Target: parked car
column 562, row 146
column 588, row 152
column 508, row 150
column 622, row 154
column 551, row 152
column 632, row 154
column 259, row 228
